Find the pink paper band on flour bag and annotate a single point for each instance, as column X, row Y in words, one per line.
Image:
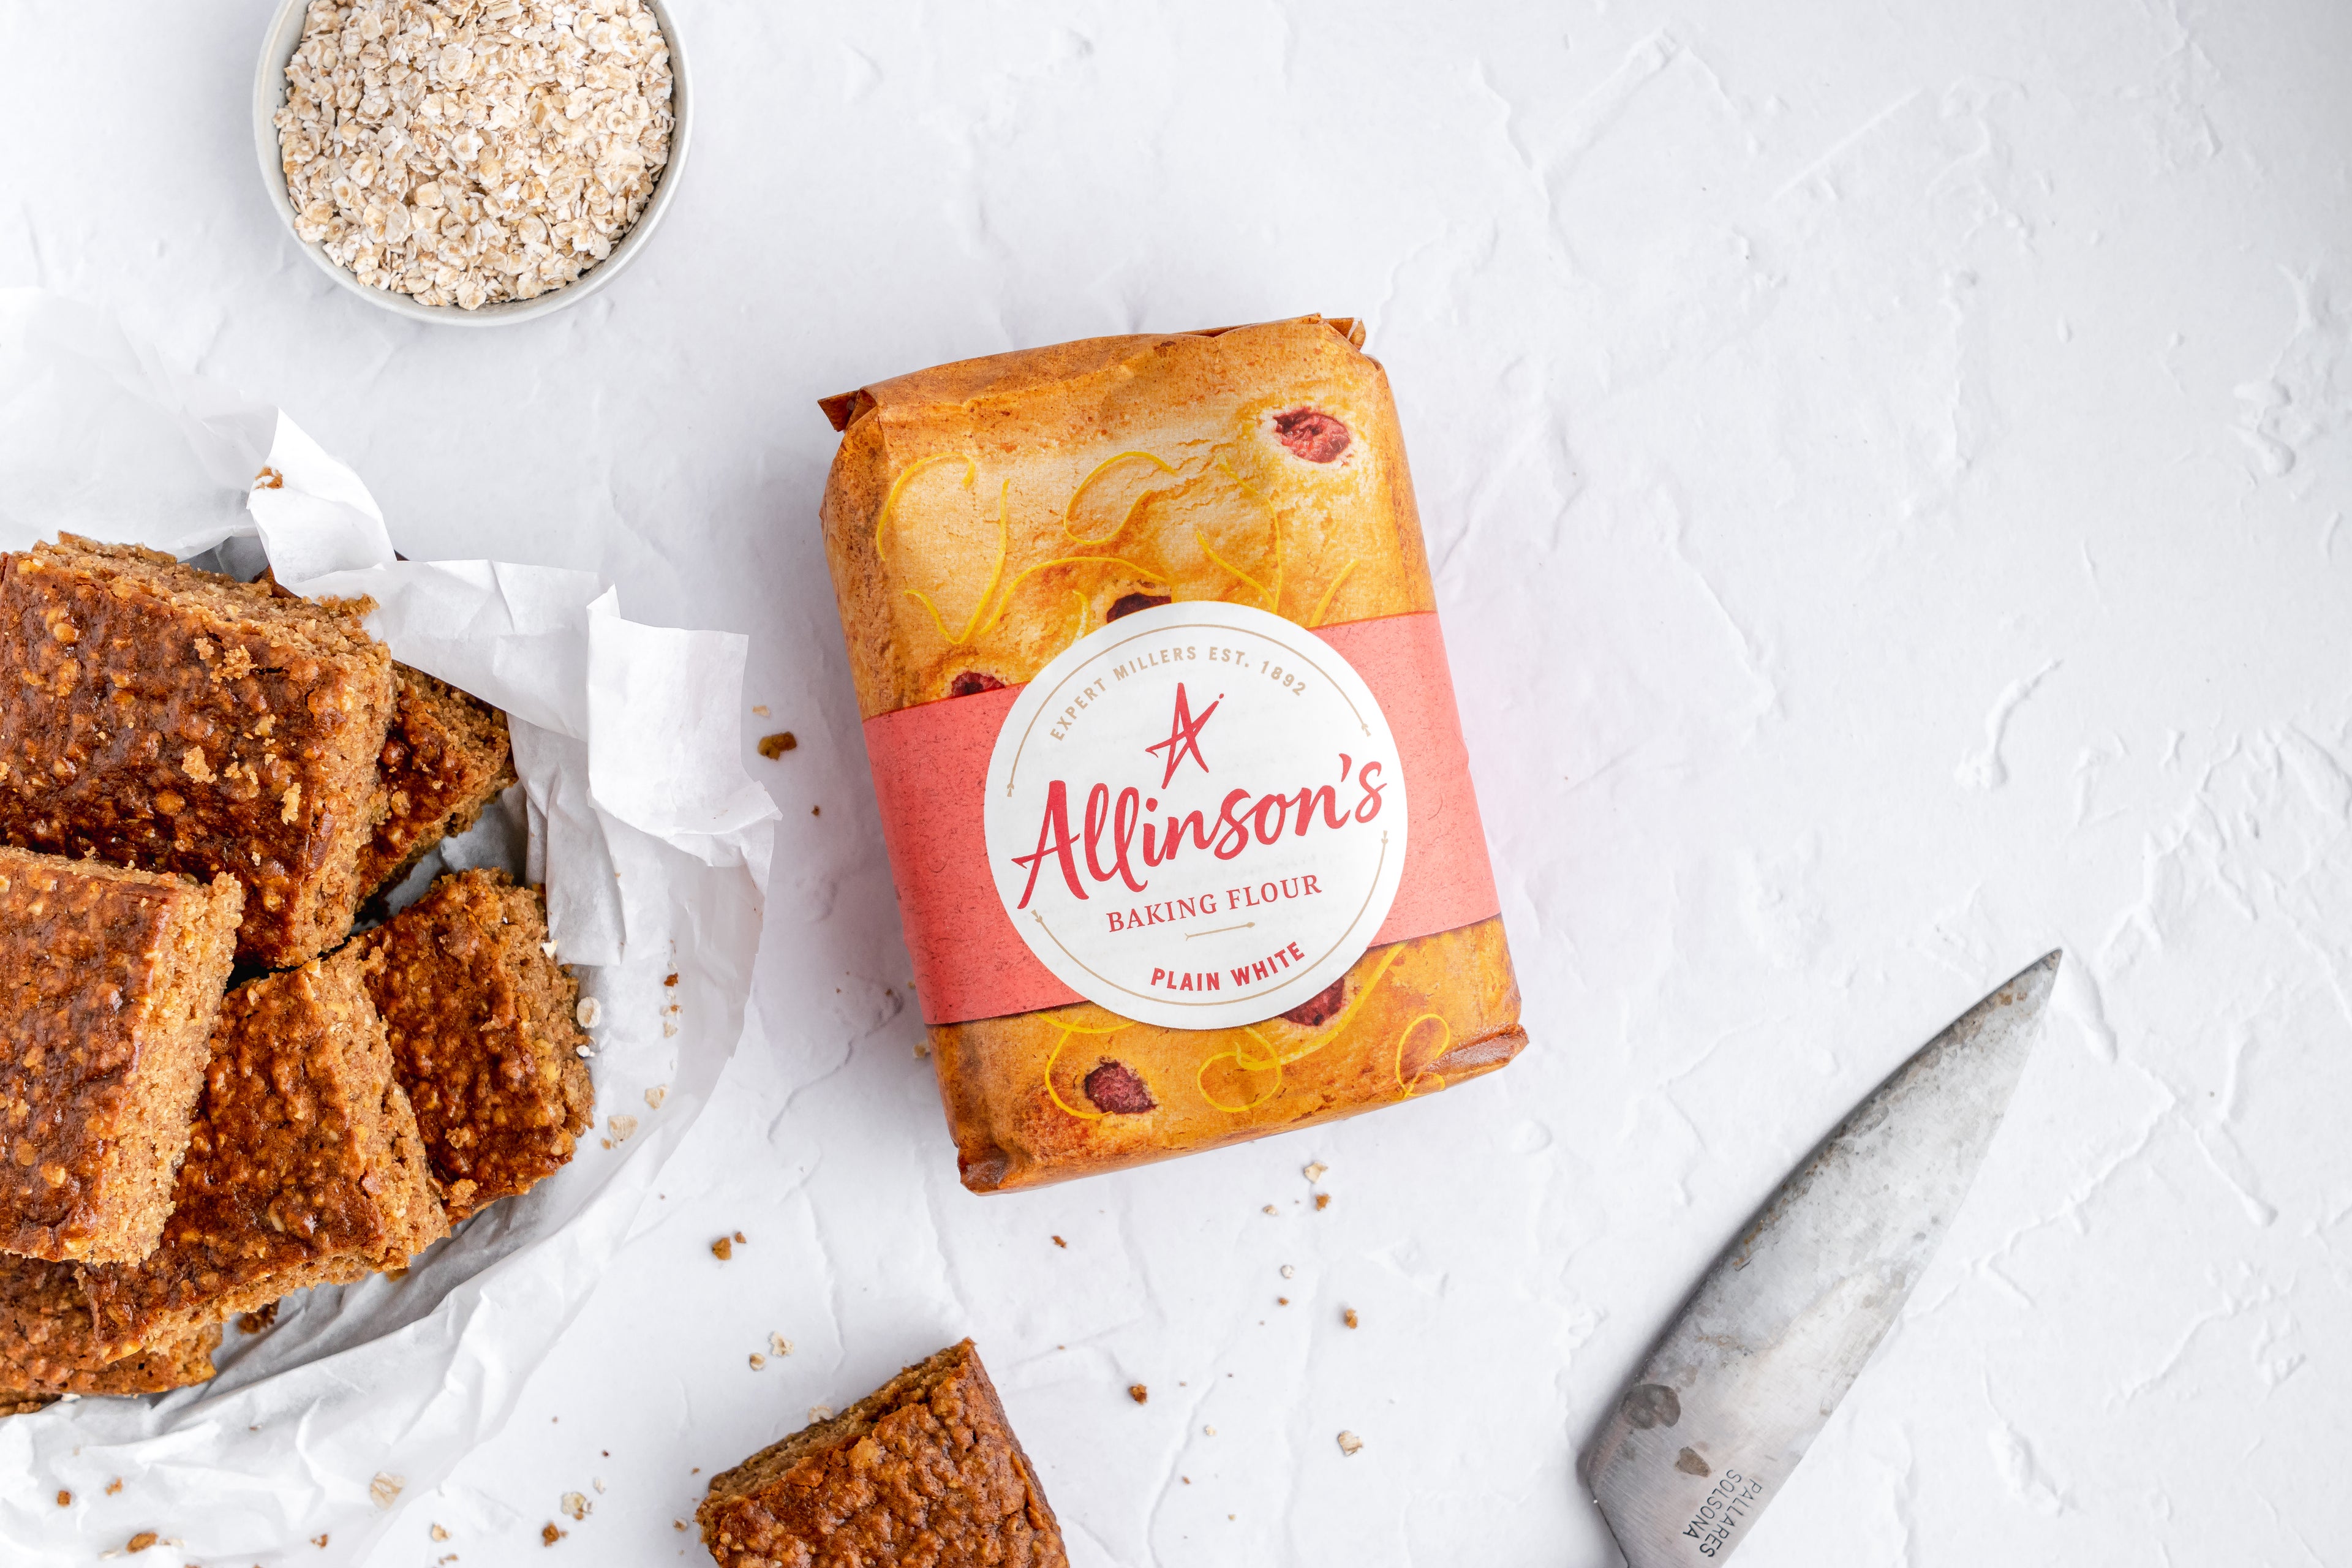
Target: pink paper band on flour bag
column 930, row 771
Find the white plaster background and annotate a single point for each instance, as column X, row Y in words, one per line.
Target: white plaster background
column 1886, row 469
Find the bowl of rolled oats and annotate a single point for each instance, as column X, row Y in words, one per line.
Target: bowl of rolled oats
column 471, row 162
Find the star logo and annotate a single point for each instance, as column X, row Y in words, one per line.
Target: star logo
column 1184, row 735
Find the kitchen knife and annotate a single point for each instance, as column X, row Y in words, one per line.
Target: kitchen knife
column 1726, row 1404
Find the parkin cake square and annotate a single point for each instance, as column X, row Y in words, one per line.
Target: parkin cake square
column 174, row 720
column 304, row 1167
column 926, row 1469
column 484, row 1037
column 110, row 982
column 444, row 759
column 46, row 1346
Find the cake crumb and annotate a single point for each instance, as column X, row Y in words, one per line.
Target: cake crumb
column 655, row 1095
column 739, row 1239
column 114, row 1485
column 776, row 745
column 1282, row 1301
column 1314, row 1171
column 385, row 1490
column 723, row 1249
column 759, row 710
column 778, row 1345
column 574, row 1506
column 65, row 1498
column 1138, row 1393
column 1349, row 1317
column 1208, row 1431
column 255, row 1322
column 1322, row 1202
column 319, row 1540
column 1288, row 1272
column 1349, row 1443
column 622, row 1126
column 671, row 979
column 1270, row 1209
column 549, row 1535
column 1059, row 1242
column 142, row 1542
column 438, row 1534
column 677, row 1524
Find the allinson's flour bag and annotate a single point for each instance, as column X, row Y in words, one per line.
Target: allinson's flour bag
column 1169, row 773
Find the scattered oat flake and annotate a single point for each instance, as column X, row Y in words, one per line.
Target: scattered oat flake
column 1208, row 1431
column 820, row 1412
column 574, row 1507
column 1314, row 1171
column 1349, row 1443
column 588, row 1011
column 677, row 1524
column 549, row 1535
column 438, row 1534
column 622, row 1126
column 385, row 1490
column 1270, row 1209
column 547, row 950
column 723, row 1249
column 598, row 1481
column 759, row 710
column 776, row 745
column 779, row 1345
column 759, row 1361
column 1288, row 1272
column 142, row 1542
column 1349, row 1317
column 1138, row 1393
column 655, row 1095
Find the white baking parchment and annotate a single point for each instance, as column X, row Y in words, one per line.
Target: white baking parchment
column 653, row 845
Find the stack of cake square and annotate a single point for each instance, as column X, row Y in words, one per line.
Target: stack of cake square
column 202, row 781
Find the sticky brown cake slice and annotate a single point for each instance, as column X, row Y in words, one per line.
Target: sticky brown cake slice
column 109, row 980
column 174, row 720
column 47, row 1348
column 444, row 758
column 924, row 1470
column 483, row 1036
column 304, row 1167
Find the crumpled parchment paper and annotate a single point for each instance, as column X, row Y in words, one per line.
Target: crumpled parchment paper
column 634, row 811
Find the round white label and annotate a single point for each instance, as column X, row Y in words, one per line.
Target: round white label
column 1196, row 816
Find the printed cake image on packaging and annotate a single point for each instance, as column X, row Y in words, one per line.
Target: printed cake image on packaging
column 1170, row 777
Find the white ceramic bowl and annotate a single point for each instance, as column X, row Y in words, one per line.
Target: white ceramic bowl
column 269, row 96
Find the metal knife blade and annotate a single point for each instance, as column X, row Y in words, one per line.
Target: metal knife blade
column 1710, row 1429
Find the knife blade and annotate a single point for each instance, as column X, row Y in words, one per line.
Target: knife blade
column 1710, row 1428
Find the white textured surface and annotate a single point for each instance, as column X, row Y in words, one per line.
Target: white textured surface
column 1886, row 469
